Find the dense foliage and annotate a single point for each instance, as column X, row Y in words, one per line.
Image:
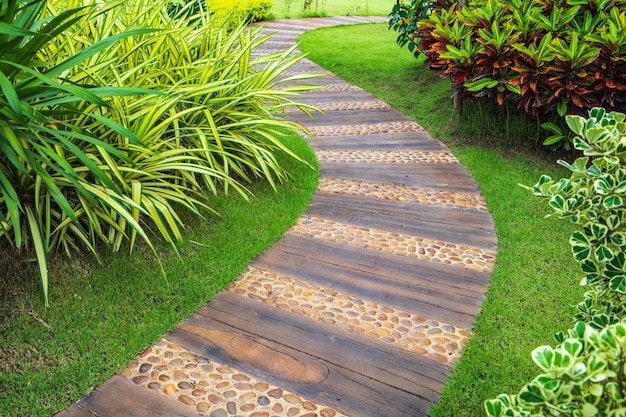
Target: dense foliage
column 547, row 58
column 585, row 375
column 240, row 10
column 114, row 116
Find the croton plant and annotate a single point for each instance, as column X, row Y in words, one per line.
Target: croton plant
column 548, row 58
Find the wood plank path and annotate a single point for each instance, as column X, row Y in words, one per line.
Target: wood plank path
column 360, row 309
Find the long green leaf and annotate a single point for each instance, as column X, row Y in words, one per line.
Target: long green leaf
column 41, row 249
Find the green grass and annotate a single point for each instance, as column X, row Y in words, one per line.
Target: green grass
column 535, row 280
column 282, row 9
column 103, row 316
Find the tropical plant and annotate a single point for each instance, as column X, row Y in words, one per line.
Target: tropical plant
column 546, row 58
column 404, row 19
column 41, row 189
column 595, row 198
column 584, row 375
column 236, row 11
column 190, row 111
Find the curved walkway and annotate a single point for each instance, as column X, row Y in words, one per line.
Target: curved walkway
column 360, row 309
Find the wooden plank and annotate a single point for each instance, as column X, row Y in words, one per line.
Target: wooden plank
column 427, row 273
column 460, row 226
column 324, row 98
column 379, row 278
column 75, row 410
column 333, row 345
column 438, row 176
column 453, row 216
column 120, row 397
column 410, row 141
column 354, row 369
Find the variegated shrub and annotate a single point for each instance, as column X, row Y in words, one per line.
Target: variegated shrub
column 585, row 375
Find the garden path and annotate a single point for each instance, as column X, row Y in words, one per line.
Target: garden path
column 360, row 309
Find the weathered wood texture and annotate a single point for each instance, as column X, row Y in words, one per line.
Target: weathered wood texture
column 324, row 363
column 451, row 295
column 120, row 397
column 362, row 377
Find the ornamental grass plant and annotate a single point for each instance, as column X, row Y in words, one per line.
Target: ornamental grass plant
column 117, row 116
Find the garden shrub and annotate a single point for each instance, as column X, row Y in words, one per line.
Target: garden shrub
column 547, row 58
column 240, row 10
column 585, row 374
column 116, row 116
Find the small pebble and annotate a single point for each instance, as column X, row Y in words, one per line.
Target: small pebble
column 141, row 379
column 186, row 400
column 184, row 385
column 169, row 389
column 218, row 413
column 145, row 367
column 202, row 406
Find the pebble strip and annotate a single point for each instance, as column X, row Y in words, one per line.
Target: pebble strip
column 295, row 73
column 439, row 341
column 340, row 87
column 215, row 390
column 286, row 44
column 366, row 129
column 352, row 105
column 400, row 157
column 395, row 192
column 267, row 51
column 396, row 243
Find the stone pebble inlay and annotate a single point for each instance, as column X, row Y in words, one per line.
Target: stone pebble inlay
column 395, row 243
column 213, row 389
column 349, row 105
column 339, row 87
column 399, row 157
column 396, row 192
column 439, row 341
column 366, row 129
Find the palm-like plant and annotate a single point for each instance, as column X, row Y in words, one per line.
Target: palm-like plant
column 39, row 184
column 107, row 127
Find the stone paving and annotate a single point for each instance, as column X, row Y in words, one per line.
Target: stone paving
column 401, row 193
column 366, row 129
column 339, row 87
column 209, row 388
column 448, row 253
column 439, row 341
column 396, row 157
column 346, row 105
column 215, row 390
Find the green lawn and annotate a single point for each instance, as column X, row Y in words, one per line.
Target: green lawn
column 102, row 316
column 535, row 279
column 295, row 8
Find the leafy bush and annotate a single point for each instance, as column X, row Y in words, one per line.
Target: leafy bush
column 583, row 377
column 547, row 58
column 240, row 10
column 584, row 374
column 47, row 180
column 165, row 114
